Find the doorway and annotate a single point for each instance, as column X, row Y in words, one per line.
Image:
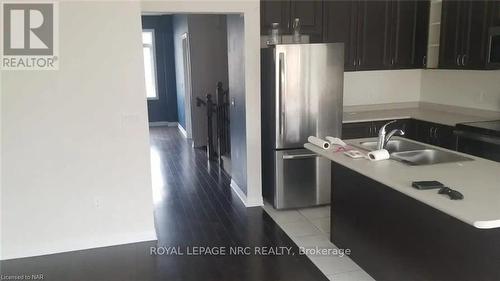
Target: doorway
column 187, row 57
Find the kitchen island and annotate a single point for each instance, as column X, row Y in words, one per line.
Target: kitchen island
column 396, row 232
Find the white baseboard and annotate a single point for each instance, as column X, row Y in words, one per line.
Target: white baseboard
column 248, row 202
column 72, row 245
column 162, row 123
column 183, row 132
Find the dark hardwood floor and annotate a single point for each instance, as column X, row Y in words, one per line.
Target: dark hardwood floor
column 194, row 206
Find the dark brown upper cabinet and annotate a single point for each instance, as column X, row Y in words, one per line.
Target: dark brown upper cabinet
column 310, row 14
column 340, row 25
column 422, row 33
column 409, row 32
column 495, row 13
column 464, row 34
column 274, row 11
column 378, row 34
column 284, row 12
column 373, row 34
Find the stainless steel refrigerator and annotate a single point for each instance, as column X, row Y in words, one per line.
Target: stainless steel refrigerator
column 302, row 91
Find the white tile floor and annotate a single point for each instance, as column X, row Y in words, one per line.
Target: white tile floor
column 310, row 228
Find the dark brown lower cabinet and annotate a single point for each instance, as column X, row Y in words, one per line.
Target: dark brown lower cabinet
column 357, row 130
column 369, row 129
column 394, row 237
column 422, row 131
column 435, row 134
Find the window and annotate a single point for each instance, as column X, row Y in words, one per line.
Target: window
column 148, row 40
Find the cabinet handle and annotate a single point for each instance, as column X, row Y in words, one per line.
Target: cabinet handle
column 430, row 132
column 436, row 133
column 433, row 132
column 354, row 62
column 392, row 61
column 375, row 130
column 464, row 59
column 299, row 156
column 424, row 61
column 359, row 61
column 370, row 131
column 458, row 60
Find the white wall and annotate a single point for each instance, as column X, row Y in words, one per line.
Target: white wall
column 465, row 88
column 251, row 11
column 75, row 162
column 386, row 86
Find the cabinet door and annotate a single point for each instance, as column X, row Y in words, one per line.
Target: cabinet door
column 403, row 34
column 444, row 137
column 340, row 24
column 475, row 34
column 373, row 35
column 495, row 13
column 409, row 30
column 451, row 35
column 357, row 130
column 378, row 124
column 274, row 11
column 424, row 132
column 310, row 13
column 436, row 134
column 422, row 33
column 404, row 124
column 408, row 126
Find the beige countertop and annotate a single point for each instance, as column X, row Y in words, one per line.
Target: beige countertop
column 477, row 180
column 423, row 114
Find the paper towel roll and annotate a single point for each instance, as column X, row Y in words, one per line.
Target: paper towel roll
column 318, row 142
column 335, row 141
column 378, row 155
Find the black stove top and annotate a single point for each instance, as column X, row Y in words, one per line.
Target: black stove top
column 491, row 128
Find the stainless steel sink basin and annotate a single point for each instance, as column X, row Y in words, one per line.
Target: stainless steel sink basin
column 396, row 145
column 428, row 157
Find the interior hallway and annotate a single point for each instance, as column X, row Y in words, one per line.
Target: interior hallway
column 194, row 206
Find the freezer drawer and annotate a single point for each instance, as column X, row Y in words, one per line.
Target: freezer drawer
column 303, row 179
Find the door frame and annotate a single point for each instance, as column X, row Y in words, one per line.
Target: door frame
column 188, row 98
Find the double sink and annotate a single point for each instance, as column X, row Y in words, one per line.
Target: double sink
column 415, row 154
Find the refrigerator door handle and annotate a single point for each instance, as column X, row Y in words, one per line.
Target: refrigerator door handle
column 280, row 94
column 299, row 156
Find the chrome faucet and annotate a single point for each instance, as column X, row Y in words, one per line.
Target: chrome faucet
column 383, row 137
